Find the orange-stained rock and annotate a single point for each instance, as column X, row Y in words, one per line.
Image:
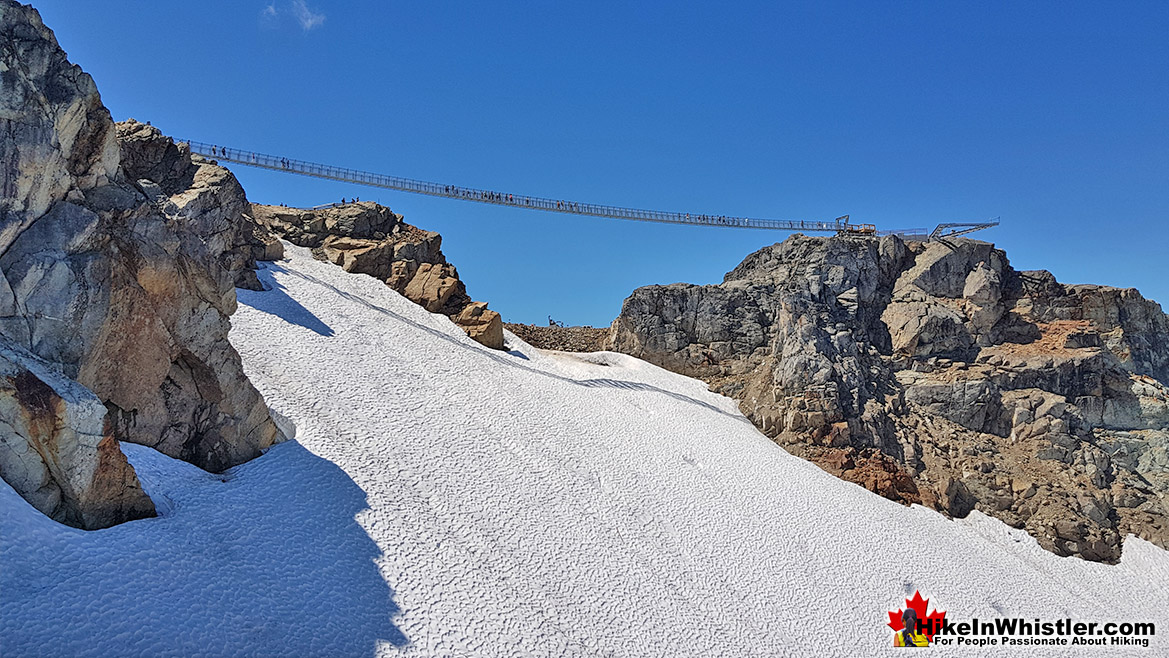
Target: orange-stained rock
column 57, row 450
column 366, row 238
column 484, row 326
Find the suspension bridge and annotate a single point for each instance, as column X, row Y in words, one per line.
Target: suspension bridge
column 840, row 225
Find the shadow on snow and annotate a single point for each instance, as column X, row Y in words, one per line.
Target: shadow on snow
column 264, row 559
column 275, row 301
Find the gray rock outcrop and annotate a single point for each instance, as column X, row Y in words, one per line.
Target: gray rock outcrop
column 936, row 373
column 366, row 238
column 57, row 447
column 119, row 256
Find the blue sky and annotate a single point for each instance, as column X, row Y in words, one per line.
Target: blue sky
column 1052, row 115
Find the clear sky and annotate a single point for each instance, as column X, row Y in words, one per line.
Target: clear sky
column 1052, row 115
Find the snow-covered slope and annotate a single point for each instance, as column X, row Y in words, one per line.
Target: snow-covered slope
column 442, row 499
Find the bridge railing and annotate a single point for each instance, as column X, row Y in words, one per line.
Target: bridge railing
column 343, row 174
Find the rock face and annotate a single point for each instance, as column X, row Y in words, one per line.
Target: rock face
column 58, row 136
column 200, row 195
column 119, row 256
column 367, row 238
column 936, row 373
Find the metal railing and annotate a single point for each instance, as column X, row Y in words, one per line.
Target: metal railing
column 343, row 174
column 346, row 175
column 955, row 229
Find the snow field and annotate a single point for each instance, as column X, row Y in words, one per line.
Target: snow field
column 444, row 499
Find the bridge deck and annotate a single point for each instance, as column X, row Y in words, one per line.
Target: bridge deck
column 346, row 175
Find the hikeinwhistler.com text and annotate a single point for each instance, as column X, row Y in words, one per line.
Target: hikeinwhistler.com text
column 1038, row 632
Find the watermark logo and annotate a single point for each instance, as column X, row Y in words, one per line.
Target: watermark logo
column 915, row 625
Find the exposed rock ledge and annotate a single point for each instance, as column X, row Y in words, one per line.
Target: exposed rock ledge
column 936, row 373
column 366, row 238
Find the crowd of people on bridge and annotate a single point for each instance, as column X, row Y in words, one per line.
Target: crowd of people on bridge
column 563, row 206
column 499, row 197
column 715, row 219
column 571, row 206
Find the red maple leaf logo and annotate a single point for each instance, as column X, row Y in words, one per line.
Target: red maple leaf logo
column 930, row 623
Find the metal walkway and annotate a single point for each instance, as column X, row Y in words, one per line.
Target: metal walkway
column 329, row 172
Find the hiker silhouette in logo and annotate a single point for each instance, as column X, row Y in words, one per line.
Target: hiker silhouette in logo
column 908, row 636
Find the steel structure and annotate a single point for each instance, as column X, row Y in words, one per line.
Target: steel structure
column 954, row 229
column 839, row 225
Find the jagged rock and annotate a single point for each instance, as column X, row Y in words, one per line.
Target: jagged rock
column 983, row 285
column 57, row 135
column 196, row 193
column 968, row 374
column 366, row 238
column 954, row 498
column 481, row 324
column 923, row 329
column 973, row 404
column 122, row 273
column 57, row 450
column 436, row 288
column 310, row 227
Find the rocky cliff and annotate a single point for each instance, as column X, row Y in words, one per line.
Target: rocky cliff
column 935, row 373
column 366, row 238
column 120, row 254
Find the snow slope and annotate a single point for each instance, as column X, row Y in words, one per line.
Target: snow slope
column 442, row 499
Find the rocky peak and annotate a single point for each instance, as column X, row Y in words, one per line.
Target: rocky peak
column 148, row 155
column 204, row 198
column 936, row 373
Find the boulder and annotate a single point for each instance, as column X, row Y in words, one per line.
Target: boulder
column 57, row 449
column 481, row 324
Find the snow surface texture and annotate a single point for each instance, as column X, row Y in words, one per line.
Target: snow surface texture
column 443, row 499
